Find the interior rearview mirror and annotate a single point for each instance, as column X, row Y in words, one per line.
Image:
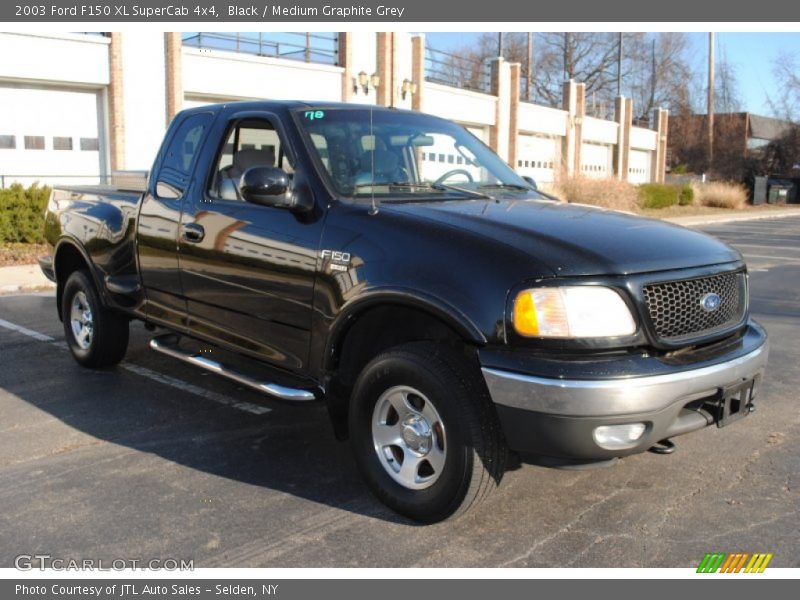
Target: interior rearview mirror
column 267, row 186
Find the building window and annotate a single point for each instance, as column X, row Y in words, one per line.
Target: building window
column 91, row 144
column 62, row 143
column 8, row 142
column 34, row 142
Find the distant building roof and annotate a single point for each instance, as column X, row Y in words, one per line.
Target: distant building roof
column 767, row 128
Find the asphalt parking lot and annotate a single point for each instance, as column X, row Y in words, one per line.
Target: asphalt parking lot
column 157, row 460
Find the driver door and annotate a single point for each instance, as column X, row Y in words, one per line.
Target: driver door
column 248, row 270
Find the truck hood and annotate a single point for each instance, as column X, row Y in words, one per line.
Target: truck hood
column 573, row 239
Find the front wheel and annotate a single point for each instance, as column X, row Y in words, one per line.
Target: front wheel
column 424, row 431
column 97, row 336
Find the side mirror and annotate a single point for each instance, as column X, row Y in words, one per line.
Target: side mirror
column 530, row 181
column 267, row 186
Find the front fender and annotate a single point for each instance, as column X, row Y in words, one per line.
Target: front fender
column 436, row 307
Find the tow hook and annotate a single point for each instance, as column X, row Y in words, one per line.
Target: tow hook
column 663, row 447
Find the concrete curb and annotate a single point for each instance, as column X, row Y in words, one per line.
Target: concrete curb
column 23, row 278
column 731, row 218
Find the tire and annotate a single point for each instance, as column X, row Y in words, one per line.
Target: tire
column 97, row 336
column 430, row 407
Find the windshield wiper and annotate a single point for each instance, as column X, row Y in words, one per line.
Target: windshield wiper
column 406, row 184
column 458, row 188
column 508, row 186
column 439, row 187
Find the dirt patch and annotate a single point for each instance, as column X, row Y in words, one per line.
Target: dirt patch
column 21, row 254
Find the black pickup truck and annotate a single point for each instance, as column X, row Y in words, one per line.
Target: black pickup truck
column 388, row 264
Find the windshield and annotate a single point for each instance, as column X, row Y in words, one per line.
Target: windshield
column 402, row 155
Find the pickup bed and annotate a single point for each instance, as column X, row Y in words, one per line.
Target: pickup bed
column 388, row 264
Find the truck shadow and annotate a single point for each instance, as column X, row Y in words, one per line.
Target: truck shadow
column 289, row 450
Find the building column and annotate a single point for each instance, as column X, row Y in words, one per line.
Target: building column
column 116, row 109
column 173, row 66
column 385, row 61
column 661, row 119
column 580, row 115
column 418, row 70
column 513, row 113
column 574, row 103
column 346, row 62
column 623, row 115
column 501, row 84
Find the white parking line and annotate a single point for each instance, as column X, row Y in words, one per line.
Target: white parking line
column 25, row 331
column 185, row 386
column 194, row 389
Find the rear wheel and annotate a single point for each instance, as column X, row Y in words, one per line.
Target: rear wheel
column 425, row 433
column 97, row 336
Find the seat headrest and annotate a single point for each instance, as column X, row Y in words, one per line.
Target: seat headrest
column 244, row 159
column 385, row 162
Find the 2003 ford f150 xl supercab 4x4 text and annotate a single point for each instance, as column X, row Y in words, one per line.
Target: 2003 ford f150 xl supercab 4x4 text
column 388, row 264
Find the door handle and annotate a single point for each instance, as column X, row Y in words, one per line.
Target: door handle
column 192, row 232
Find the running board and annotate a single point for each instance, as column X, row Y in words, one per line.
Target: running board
column 167, row 345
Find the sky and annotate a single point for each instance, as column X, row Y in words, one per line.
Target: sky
column 750, row 54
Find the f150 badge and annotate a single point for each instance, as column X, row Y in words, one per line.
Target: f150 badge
column 339, row 261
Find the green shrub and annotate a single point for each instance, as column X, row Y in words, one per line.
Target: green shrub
column 22, row 214
column 658, row 195
column 680, row 169
column 686, row 196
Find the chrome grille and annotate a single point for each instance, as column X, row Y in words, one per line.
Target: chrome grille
column 676, row 307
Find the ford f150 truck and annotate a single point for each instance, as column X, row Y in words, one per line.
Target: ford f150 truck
column 388, row 264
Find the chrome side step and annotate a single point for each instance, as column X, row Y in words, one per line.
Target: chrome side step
column 167, row 345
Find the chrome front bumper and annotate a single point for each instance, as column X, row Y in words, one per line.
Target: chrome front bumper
column 555, row 416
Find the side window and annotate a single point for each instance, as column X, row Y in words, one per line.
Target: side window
column 180, row 154
column 249, row 143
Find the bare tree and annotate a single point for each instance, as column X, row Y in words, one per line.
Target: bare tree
column 658, row 73
column 727, row 98
column 786, row 69
column 655, row 69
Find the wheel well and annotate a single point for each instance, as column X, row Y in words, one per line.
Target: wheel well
column 375, row 330
column 68, row 260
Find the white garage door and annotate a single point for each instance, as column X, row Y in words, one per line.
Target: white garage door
column 51, row 135
column 538, row 156
column 639, row 166
column 597, row 160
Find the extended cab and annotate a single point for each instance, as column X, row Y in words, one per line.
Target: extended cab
column 388, row 264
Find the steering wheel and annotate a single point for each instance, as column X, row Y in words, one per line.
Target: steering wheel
column 449, row 174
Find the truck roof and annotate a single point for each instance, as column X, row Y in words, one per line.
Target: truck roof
column 282, row 105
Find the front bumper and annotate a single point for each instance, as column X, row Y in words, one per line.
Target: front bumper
column 555, row 415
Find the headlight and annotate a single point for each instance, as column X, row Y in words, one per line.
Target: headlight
column 572, row 312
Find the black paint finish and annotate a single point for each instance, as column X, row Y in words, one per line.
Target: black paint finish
column 253, row 278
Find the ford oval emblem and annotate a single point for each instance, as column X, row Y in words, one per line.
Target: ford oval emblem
column 710, row 302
